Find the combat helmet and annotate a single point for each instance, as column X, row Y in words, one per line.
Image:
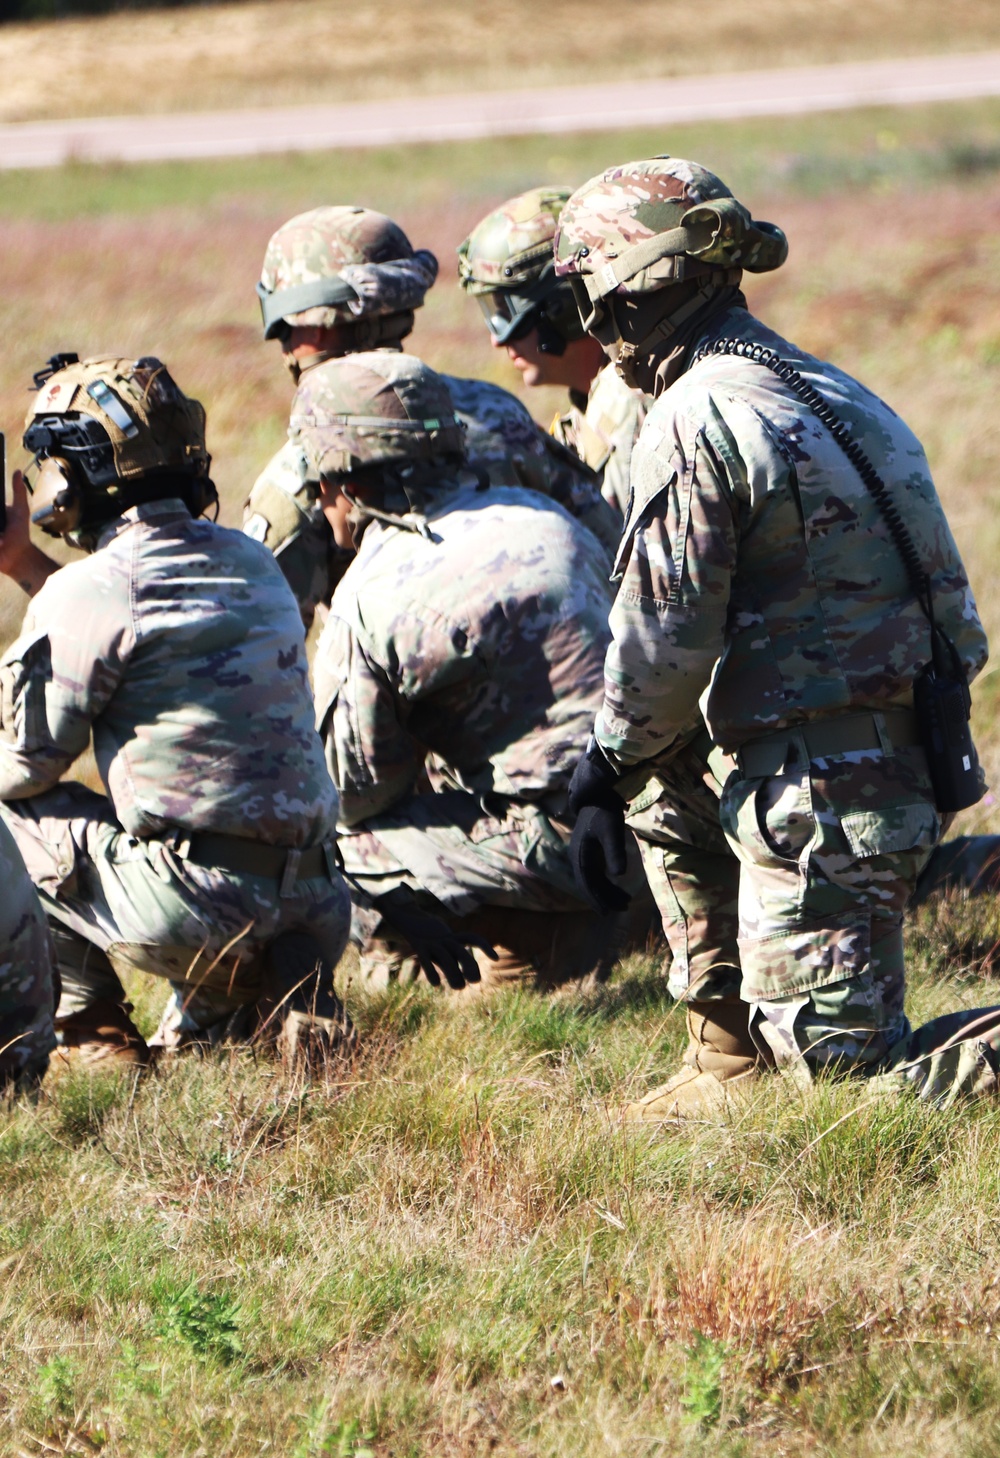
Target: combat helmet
column 344, row 266
column 506, row 263
column 107, row 434
column 383, row 424
column 638, row 228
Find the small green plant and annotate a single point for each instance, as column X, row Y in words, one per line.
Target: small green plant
column 347, row 1438
column 55, row 1385
column 704, row 1376
column 208, row 1322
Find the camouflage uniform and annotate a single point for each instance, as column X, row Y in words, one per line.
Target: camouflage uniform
column 166, row 644
column 374, row 280
column 26, row 993
column 456, row 678
column 758, row 577
column 602, row 429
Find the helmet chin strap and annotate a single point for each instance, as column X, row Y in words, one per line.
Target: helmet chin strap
column 634, row 358
column 632, row 353
column 363, row 511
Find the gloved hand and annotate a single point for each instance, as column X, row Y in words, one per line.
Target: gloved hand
column 435, row 945
column 597, row 846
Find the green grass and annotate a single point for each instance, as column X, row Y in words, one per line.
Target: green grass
column 454, row 1248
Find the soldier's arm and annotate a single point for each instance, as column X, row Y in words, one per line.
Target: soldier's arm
column 60, row 674
column 669, row 618
column 372, row 760
column 283, row 512
column 20, row 559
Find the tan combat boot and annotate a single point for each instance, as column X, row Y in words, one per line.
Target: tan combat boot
column 100, row 1034
column 721, row 1062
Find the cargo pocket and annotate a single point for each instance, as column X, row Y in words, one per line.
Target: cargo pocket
column 801, row 958
column 891, row 830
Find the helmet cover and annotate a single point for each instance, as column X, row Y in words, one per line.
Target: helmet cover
column 374, row 409
column 638, row 227
column 506, row 263
column 336, row 265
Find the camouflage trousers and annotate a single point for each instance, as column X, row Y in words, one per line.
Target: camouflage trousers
column 501, row 871
column 830, row 853
column 691, row 870
column 26, row 991
column 117, row 904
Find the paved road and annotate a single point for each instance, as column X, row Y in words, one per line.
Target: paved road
column 500, row 113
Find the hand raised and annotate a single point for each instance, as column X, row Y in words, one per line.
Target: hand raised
column 19, row 557
column 15, row 539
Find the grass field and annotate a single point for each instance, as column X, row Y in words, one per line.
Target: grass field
column 288, row 51
column 453, row 1248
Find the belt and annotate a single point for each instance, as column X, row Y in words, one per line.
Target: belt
column 884, row 729
column 252, row 857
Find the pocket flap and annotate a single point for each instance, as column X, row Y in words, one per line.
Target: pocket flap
column 894, row 828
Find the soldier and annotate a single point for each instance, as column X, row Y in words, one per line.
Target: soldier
column 758, row 573
column 26, row 993
column 343, row 280
column 210, row 859
column 506, row 263
column 469, row 632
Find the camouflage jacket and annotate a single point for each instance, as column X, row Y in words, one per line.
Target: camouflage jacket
column 177, row 643
column 503, row 440
column 482, row 649
column 755, row 564
column 602, row 430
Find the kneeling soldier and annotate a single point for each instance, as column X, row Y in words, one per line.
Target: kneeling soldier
column 178, row 645
column 766, row 572
column 456, row 680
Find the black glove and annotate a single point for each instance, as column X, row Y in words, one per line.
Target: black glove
column 598, row 843
column 435, row 945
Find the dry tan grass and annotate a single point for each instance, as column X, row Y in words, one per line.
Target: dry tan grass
column 286, row 51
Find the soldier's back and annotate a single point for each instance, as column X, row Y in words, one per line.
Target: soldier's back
column 493, row 633
column 210, row 723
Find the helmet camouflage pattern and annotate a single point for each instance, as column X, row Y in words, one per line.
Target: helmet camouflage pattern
column 506, row 263
column 99, row 427
column 638, row 227
column 336, row 265
column 374, row 409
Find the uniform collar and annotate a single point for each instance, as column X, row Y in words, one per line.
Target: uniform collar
column 171, row 508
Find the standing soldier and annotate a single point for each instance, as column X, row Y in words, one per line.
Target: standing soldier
column 210, row 859
column 759, row 574
column 26, row 995
column 345, row 280
column 506, row 263
column 456, row 681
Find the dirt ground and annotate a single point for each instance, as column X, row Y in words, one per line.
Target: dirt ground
column 285, row 51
